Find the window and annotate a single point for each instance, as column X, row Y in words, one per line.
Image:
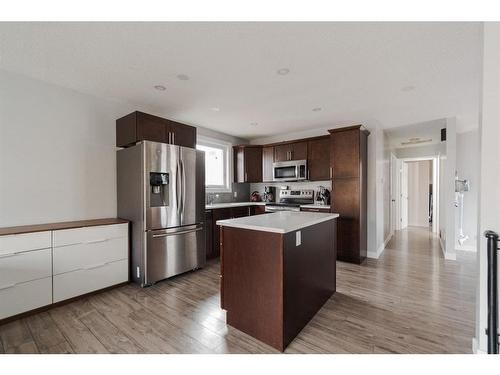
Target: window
column 217, row 164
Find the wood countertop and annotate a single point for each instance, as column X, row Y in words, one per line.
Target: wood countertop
column 58, row 226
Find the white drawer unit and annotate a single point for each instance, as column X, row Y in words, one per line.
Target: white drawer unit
column 24, row 242
column 83, row 255
column 16, row 268
column 38, row 269
column 89, row 235
column 25, row 296
column 75, row 283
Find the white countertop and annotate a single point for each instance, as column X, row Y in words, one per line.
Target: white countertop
column 278, row 222
column 316, row 205
column 232, row 204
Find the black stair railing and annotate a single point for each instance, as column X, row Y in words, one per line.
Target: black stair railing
column 492, row 330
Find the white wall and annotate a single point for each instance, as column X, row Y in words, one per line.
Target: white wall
column 421, row 151
column 57, row 152
column 418, row 192
column 468, row 168
column 386, row 189
column 448, row 188
column 489, row 175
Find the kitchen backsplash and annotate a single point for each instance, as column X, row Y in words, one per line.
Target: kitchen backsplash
column 243, row 190
column 242, row 195
column 310, row 185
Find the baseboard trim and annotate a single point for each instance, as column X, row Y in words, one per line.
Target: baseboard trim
column 470, row 248
column 475, row 347
column 380, row 250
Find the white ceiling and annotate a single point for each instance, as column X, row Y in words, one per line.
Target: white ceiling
column 355, row 72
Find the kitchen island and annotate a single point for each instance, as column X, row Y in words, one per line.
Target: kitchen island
column 277, row 271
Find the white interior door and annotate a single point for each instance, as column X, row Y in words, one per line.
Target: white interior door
column 394, row 193
column 404, row 195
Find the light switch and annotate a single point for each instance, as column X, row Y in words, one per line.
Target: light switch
column 298, row 239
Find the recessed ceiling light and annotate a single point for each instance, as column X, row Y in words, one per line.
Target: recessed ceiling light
column 215, row 109
column 407, row 88
column 160, row 87
column 317, row 109
column 254, row 123
column 183, row 77
column 283, row 71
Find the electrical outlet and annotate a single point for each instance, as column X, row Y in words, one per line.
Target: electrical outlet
column 298, row 239
column 235, row 194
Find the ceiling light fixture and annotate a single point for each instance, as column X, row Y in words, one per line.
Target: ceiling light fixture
column 317, row 109
column 160, row 87
column 283, row 71
column 183, row 77
column 254, row 123
column 410, row 142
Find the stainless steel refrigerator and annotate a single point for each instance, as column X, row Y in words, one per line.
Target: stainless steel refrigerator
column 161, row 190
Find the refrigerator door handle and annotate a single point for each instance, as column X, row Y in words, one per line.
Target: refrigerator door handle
column 177, row 186
column 178, row 232
column 183, row 185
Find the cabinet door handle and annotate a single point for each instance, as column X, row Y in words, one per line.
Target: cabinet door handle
column 7, row 286
column 331, row 172
column 246, row 176
column 95, row 266
column 173, row 138
column 9, row 255
column 96, row 241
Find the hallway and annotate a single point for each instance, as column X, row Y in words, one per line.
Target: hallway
column 410, row 300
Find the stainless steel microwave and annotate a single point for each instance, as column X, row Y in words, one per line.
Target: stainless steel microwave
column 293, row 170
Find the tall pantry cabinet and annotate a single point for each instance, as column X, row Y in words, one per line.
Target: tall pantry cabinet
column 348, row 161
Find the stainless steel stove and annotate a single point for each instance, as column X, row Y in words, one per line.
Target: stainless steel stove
column 291, row 200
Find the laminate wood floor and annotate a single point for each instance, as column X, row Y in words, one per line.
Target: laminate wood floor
column 410, row 300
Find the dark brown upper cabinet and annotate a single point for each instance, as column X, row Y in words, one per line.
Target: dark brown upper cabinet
column 345, row 155
column 247, row 163
column 267, row 163
column 290, row 151
column 139, row 126
column 318, row 159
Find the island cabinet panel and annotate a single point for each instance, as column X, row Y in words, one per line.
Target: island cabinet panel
column 270, row 285
column 267, row 163
column 309, row 276
column 318, row 159
column 247, row 163
column 218, row 214
column 252, row 283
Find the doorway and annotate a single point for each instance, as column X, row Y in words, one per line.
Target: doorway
column 415, row 192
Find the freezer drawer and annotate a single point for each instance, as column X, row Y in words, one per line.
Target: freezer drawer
column 174, row 251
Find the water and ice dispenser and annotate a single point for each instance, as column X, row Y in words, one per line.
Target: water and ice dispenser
column 158, row 192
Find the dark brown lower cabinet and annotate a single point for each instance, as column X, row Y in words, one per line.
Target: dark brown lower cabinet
column 209, row 234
